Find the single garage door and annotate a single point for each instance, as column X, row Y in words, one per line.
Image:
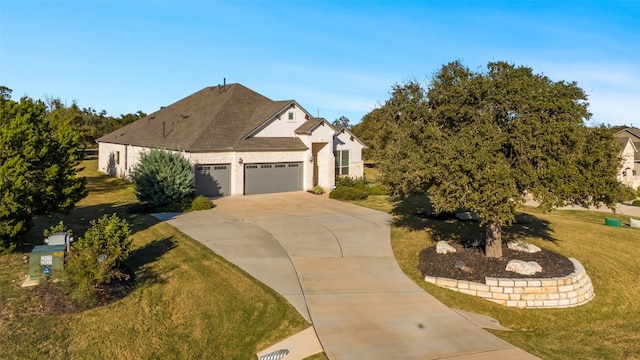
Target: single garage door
column 213, row 180
column 272, row 178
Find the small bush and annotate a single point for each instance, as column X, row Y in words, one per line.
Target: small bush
column 636, row 203
column 318, row 190
column 200, row 203
column 348, row 193
column 96, row 257
column 344, row 181
column 57, row 228
column 638, row 191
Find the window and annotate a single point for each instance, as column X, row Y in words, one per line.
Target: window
column 342, row 162
column 291, row 116
column 117, row 157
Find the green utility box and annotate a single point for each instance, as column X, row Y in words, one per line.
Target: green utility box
column 612, row 222
column 44, row 260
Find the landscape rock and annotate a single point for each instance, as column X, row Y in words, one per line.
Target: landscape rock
column 523, row 267
column 459, row 264
column 467, row 215
column 443, row 247
column 523, row 247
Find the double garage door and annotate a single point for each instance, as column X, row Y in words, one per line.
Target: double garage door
column 272, row 178
column 215, row 180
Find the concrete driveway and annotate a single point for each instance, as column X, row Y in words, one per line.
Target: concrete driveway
column 333, row 261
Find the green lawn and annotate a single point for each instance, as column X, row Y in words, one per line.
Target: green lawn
column 189, row 303
column 608, row 327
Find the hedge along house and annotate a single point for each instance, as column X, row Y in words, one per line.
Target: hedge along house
column 239, row 143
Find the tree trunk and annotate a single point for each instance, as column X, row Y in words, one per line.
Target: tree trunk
column 493, row 246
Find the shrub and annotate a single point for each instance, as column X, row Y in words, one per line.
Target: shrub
column 348, row 193
column 318, row 190
column 162, row 178
column 200, row 203
column 57, row 228
column 627, row 193
column 96, row 257
column 344, row 181
column 636, row 203
column 638, row 191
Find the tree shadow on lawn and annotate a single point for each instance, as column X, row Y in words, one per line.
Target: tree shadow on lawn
column 140, row 258
column 415, row 213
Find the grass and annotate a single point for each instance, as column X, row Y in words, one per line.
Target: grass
column 189, row 303
column 608, row 327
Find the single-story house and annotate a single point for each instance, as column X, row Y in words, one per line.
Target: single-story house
column 629, row 140
column 239, row 143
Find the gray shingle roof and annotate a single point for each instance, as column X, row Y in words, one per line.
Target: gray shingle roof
column 308, row 126
column 214, row 118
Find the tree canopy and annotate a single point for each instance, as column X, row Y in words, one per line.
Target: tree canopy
column 341, row 122
column 39, row 161
column 483, row 140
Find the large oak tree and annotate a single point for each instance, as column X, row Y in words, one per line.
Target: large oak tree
column 482, row 140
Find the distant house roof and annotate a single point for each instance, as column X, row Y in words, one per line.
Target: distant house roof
column 633, row 133
column 215, row 118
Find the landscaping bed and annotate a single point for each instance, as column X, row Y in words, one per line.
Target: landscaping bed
column 477, row 266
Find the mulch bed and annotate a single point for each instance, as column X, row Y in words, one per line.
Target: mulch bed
column 477, row 266
column 54, row 298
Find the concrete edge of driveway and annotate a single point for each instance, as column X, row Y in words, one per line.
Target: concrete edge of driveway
column 300, row 346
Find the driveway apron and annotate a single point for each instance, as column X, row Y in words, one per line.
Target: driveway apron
column 333, row 261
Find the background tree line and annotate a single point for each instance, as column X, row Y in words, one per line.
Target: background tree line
column 89, row 123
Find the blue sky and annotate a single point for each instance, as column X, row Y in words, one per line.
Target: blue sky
column 333, row 57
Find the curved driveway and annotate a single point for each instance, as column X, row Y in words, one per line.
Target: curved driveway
column 333, row 261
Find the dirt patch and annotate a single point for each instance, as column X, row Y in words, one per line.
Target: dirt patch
column 473, row 265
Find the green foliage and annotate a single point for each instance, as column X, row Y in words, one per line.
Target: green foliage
column 96, row 257
column 345, row 181
column 636, row 203
column 57, row 228
column 318, row 190
column 627, row 193
column 348, row 193
column 200, row 203
column 88, row 123
column 481, row 140
column 638, row 191
column 38, row 166
column 162, row 177
column 341, row 122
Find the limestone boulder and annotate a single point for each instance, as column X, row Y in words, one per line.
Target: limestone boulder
column 523, row 247
column 443, row 247
column 524, row 267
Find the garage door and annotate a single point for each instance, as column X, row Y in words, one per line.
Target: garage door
column 272, row 178
column 213, row 180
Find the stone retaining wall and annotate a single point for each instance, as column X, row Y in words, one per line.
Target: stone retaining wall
column 530, row 293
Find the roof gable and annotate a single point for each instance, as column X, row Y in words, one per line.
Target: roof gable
column 214, row 118
column 633, row 133
column 344, row 130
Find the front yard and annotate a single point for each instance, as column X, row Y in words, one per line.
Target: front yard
column 188, row 303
